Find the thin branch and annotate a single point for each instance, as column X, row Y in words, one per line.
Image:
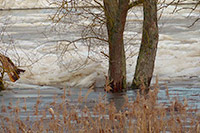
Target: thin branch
column 135, row 3
column 99, row 4
column 106, row 55
column 194, row 22
column 80, row 39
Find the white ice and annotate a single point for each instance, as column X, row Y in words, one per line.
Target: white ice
column 16, row 4
column 178, row 55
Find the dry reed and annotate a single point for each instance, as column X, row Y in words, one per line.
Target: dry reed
column 143, row 115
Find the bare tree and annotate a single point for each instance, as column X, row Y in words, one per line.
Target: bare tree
column 112, row 15
column 148, row 48
column 116, row 12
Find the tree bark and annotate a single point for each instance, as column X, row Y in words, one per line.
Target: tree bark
column 1, row 84
column 116, row 12
column 7, row 66
column 148, row 48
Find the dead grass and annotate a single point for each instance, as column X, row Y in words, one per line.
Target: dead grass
column 144, row 115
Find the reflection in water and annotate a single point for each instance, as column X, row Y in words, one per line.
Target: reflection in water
column 119, row 98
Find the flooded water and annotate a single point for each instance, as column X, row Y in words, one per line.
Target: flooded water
column 34, row 42
column 48, row 96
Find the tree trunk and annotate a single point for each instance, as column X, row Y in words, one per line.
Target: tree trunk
column 116, row 12
column 7, row 66
column 1, row 84
column 148, row 48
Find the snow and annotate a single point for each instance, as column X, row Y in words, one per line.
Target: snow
column 33, row 42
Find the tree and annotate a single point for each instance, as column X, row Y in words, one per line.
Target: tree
column 7, row 66
column 115, row 13
column 145, row 62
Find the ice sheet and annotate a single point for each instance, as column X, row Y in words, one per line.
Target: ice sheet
column 12, row 4
column 33, row 42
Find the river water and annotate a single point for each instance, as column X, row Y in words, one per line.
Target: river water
column 35, row 43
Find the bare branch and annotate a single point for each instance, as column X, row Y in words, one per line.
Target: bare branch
column 99, row 4
column 106, row 55
column 194, row 22
column 135, row 3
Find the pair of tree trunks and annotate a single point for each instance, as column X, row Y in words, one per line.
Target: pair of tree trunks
column 116, row 12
